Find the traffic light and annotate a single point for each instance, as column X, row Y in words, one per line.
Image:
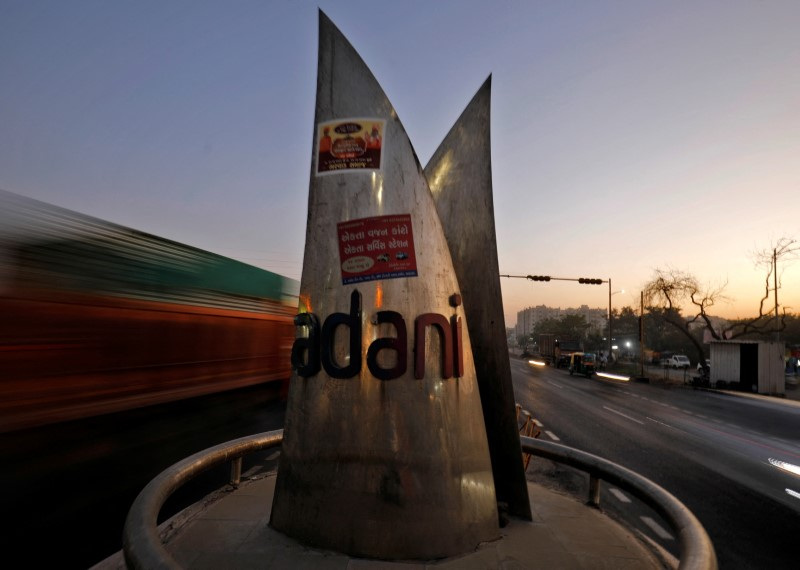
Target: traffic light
column 539, row 277
column 588, row 281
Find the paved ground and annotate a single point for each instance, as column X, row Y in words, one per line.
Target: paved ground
column 232, row 532
column 667, row 376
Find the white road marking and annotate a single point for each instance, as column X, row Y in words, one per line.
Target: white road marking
column 661, row 423
column 537, row 422
column 619, row 495
column 552, row 436
column 554, row 384
column 794, row 494
column 657, row 528
column 623, row 415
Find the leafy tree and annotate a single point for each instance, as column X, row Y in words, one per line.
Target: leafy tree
column 595, row 341
column 792, row 331
column 626, row 322
column 571, row 326
column 549, row 325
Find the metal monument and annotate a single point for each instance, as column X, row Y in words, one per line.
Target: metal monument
column 385, row 453
column 460, row 177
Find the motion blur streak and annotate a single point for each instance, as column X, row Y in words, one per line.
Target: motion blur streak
column 98, row 318
column 537, row 363
column 794, row 469
column 614, row 376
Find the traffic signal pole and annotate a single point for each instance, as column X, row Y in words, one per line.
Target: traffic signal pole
column 582, row 281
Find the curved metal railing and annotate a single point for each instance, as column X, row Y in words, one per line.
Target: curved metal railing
column 140, row 541
column 143, row 548
column 696, row 549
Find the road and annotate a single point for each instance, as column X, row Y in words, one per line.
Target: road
column 68, row 487
column 725, row 457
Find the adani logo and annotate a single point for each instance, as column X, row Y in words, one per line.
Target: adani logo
column 314, row 351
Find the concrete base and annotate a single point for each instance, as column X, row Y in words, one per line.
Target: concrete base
column 231, row 530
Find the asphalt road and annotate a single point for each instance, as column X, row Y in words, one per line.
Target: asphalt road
column 725, row 457
column 67, row 488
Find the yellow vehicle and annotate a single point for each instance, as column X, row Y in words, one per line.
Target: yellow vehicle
column 582, row 363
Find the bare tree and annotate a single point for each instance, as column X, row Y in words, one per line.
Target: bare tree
column 785, row 249
column 669, row 290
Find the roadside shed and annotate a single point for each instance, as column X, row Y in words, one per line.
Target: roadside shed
column 748, row 365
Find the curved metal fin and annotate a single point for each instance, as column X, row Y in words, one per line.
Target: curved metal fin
column 460, row 178
column 385, row 454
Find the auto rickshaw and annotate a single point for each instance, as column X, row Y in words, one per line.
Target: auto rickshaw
column 582, row 363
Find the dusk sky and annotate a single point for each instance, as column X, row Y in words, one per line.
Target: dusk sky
column 626, row 135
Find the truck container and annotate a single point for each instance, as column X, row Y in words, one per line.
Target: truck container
column 555, row 349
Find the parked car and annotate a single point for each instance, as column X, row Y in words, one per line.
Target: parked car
column 676, row 361
column 700, row 365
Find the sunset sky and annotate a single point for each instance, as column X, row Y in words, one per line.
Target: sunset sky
column 626, row 135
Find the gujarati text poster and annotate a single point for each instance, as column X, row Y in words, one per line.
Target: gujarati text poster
column 349, row 144
column 376, row 248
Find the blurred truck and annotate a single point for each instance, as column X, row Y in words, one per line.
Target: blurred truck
column 556, row 350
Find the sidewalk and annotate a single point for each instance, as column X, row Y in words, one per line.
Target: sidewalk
column 232, row 532
column 669, row 377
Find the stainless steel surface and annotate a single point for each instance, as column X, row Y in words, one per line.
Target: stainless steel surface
column 236, row 472
column 392, row 469
column 697, row 550
column 460, row 178
column 594, row 491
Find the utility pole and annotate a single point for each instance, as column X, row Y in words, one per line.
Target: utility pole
column 775, row 281
column 610, row 343
column 641, row 332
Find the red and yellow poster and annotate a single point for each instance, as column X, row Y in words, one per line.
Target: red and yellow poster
column 349, row 144
column 376, row 248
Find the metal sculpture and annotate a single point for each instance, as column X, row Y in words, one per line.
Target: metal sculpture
column 460, row 178
column 385, row 452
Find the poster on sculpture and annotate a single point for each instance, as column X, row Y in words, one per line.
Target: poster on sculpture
column 350, row 145
column 376, row 248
